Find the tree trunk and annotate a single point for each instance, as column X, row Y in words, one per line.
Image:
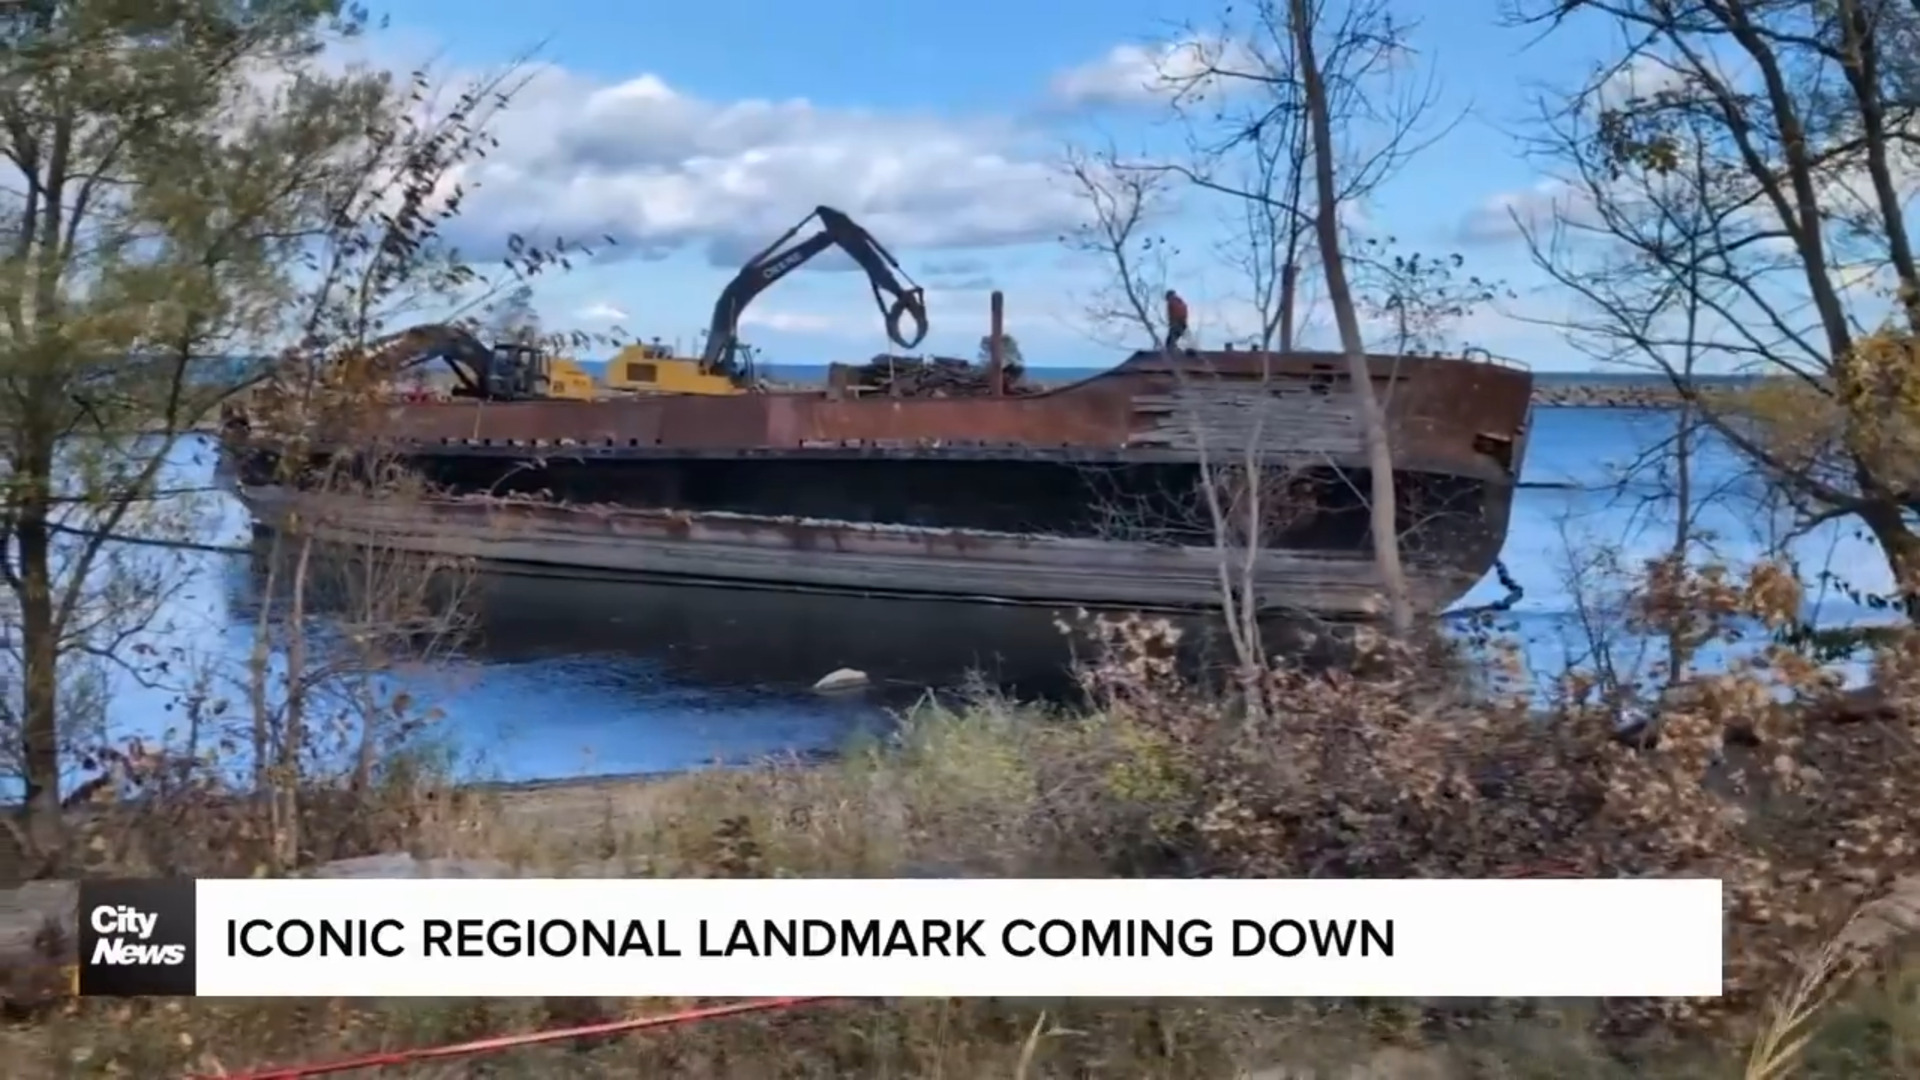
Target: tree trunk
column 40, row 690
column 1679, row 640
column 1289, row 294
column 1902, row 549
column 293, row 733
column 1384, row 519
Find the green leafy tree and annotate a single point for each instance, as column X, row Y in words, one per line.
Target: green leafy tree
column 1009, row 351
column 198, row 201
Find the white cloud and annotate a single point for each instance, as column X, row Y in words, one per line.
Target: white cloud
column 1644, row 76
column 1508, row 215
column 794, row 322
column 601, row 312
column 1132, row 75
column 658, row 169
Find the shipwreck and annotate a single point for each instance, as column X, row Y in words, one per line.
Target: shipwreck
column 1131, row 489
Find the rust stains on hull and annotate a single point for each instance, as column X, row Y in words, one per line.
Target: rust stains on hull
column 819, row 555
column 1456, row 416
column 884, row 481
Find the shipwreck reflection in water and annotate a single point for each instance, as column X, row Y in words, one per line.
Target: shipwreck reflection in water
column 771, row 639
column 728, row 639
column 563, row 674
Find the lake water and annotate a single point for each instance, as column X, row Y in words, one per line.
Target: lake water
column 573, row 677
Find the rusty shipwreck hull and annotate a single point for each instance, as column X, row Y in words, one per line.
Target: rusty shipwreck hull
column 1003, row 498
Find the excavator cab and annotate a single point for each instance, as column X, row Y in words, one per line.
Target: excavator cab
column 523, row 371
column 518, row 371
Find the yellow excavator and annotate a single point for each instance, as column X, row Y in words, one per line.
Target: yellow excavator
column 516, row 371
column 504, row 371
column 654, row 369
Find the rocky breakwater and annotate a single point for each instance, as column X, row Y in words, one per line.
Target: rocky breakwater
column 1602, row 395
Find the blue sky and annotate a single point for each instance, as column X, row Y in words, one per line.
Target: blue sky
column 697, row 132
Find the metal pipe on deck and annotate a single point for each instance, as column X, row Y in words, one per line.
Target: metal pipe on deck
column 996, row 336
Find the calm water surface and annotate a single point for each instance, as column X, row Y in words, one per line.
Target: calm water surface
column 572, row 677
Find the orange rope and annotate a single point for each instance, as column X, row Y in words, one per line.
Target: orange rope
column 509, row 1042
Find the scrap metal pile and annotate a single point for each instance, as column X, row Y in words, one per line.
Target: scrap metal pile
column 936, row 376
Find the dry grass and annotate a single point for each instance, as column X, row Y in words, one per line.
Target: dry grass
column 991, row 790
column 1806, row 822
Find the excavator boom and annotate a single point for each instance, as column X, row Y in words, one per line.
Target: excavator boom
column 897, row 301
column 502, row 373
column 468, row 359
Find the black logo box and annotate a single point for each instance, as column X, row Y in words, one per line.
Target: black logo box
column 172, row 899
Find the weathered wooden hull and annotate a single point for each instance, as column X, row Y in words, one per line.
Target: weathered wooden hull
column 1092, row 494
column 838, row 557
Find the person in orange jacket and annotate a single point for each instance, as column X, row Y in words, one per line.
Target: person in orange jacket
column 1176, row 319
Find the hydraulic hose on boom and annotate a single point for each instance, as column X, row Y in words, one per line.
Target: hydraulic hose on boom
column 883, row 271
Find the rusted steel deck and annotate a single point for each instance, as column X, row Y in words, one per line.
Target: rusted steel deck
column 1452, row 416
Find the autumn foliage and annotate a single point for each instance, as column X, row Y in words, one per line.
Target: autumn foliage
column 1766, row 774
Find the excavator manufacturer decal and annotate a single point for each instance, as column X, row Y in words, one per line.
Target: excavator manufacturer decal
column 783, row 265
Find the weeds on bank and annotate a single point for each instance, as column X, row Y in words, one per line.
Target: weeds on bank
column 1764, row 774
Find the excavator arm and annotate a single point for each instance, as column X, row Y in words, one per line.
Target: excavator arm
column 470, row 361
column 897, row 301
column 497, row 374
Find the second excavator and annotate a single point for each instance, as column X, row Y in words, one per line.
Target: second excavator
column 505, row 371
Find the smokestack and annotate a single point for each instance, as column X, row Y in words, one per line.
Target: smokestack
column 997, row 327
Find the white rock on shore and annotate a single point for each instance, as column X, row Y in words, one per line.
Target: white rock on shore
column 842, row 679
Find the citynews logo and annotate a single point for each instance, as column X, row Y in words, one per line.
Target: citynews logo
column 136, row 938
column 131, row 927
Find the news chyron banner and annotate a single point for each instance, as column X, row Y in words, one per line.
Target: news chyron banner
column 907, row 938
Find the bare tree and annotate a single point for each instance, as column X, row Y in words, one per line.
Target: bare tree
column 329, row 393
column 1122, row 207
column 1230, row 508
column 1240, row 89
column 1267, row 153
column 1757, row 157
column 513, row 317
column 1317, row 101
column 1421, row 298
column 1308, row 107
column 1275, row 109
